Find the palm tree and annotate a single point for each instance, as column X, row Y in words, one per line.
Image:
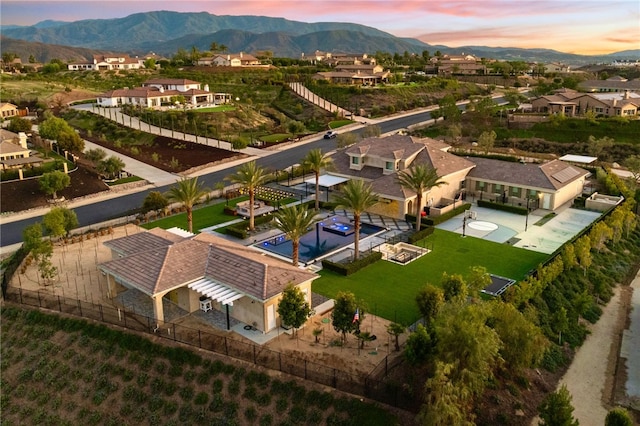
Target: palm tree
column 294, row 221
column 357, row 197
column 250, row 176
column 187, row 192
column 419, row 178
column 316, row 161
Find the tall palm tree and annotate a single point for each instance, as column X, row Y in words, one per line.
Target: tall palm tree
column 250, row 176
column 419, row 178
column 294, row 222
column 187, row 192
column 316, row 161
column 356, row 196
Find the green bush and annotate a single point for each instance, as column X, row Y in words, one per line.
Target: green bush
column 503, row 207
column 421, row 235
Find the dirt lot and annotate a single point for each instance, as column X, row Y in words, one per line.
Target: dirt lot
column 26, row 194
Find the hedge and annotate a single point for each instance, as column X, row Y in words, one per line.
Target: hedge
column 421, row 235
column 435, row 220
column 352, row 267
column 504, row 207
column 239, row 230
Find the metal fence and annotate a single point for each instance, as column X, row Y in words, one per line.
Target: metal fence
column 370, row 385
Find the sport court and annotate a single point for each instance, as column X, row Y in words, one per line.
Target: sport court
column 522, row 231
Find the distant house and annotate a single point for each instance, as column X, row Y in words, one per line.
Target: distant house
column 612, row 84
column 8, row 110
column 107, row 63
column 457, row 64
column 230, row 60
column 378, row 161
column 189, row 270
column 572, row 103
column 363, row 74
column 159, row 92
column 554, row 67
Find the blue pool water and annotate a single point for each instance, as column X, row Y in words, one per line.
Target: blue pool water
column 326, row 236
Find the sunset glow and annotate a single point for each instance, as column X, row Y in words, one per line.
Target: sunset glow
column 584, row 27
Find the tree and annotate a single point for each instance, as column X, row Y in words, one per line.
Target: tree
column 52, row 126
column 486, row 141
column 419, row 345
column 454, row 287
column 59, row 221
column 111, row 167
column 154, row 201
column 69, row 140
column 343, row 316
column 600, row 233
column 396, row 330
column 556, row 409
column 632, row 163
column 419, row 179
column 293, row 308
column 478, row 279
column 449, row 110
column 95, row 155
column 560, row 322
column 583, row 252
column 429, row 299
column 599, row 146
column 57, row 129
column 356, row 196
column 40, row 249
column 250, row 176
column 19, row 124
column 150, row 63
column 316, row 161
column 446, row 403
column 294, row 221
column 618, row 417
column 523, row 343
column 53, row 182
column 187, row 192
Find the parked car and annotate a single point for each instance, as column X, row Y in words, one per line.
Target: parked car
column 330, row 134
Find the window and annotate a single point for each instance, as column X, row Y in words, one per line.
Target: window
column 355, row 160
column 515, row 191
column 497, row 189
column 389, row 165
column 480, row 186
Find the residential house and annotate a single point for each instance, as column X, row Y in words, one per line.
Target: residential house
column 230, row 60
column 120, row 61
column 547, row 186
column 612, row 84
column 8, row 110
column 159, row 92
column 363, row 74
column 203, row 271
column 378, row 160
column 572, row 103
column 554, row 67
column 457, row 64
column 14, row 153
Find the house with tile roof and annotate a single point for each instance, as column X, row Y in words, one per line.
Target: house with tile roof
column 159, row 92
column 230, row 60
column 110, row 62
column 8, row 110
column 572, row 103
column 237, row 280
column 378, row 160
column 14, row 153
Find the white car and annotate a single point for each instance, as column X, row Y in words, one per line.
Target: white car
column 330, row 134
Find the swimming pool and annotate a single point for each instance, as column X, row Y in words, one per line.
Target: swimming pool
column 327, row 236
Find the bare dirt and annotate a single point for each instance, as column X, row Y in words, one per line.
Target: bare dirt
column 26, row 194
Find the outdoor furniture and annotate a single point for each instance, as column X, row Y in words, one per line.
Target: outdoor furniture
column 205, row 304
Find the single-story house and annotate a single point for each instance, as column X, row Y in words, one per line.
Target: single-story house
column 14, row 152
column 189, row 270
column 378, row 160
column 230, row 60
column 572, row 103
column 162, row 91
column 612, row 84
column 120, row 61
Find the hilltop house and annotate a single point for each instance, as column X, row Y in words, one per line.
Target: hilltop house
column 8, row 110
column 159, row 92
column 203, row 272
column 612, row 84
column 378, row 160
column 361, row 74
column 457, row 64
column 120, row 61
column 230, row 60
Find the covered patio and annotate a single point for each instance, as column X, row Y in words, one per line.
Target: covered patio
column 325, row 182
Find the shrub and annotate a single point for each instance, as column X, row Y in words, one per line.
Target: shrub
column 421, row 235
column 201, row 398
column 503, row 207
column 352, row 267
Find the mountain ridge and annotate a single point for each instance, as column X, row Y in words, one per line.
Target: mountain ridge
column 164, row 32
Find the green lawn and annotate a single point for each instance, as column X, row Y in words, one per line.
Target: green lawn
column 389, row 289
column 339, row 123
column 219, row 108
column 203, row 217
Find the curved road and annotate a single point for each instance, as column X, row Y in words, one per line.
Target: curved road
column 101, row 211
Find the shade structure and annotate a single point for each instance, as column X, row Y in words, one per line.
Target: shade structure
column 327, row 181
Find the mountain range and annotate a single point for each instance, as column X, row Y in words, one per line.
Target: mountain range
column 164, row 32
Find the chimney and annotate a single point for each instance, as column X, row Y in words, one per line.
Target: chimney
column 615, row 102
column 626, row 94
column 240, row 55
column 23, row 139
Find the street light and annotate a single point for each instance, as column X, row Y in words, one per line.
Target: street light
column 526, row 220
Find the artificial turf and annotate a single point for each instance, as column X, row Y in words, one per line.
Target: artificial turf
column 388, row 289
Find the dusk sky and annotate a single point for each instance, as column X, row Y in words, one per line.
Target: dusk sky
column 572, row 26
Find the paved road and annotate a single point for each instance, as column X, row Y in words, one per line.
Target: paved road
column 90, row 213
